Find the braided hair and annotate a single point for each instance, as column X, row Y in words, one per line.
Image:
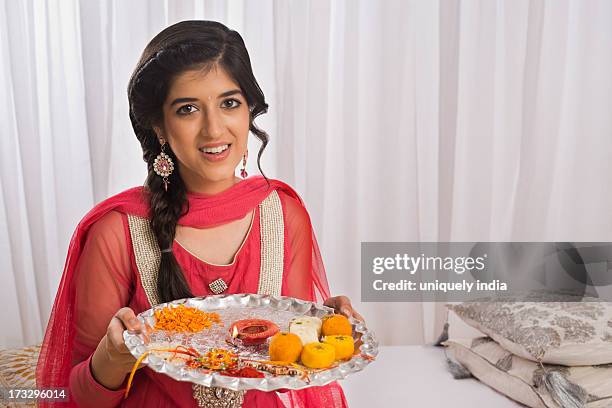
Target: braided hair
column 184, row 46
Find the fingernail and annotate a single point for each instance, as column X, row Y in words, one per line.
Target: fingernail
column 346, row 311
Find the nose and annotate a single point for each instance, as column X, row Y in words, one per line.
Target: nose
column 214, row 126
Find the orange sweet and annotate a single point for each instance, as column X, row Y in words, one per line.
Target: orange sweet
column 344, row 345
column 318, row 355
column 336, row 325
column 285, row 347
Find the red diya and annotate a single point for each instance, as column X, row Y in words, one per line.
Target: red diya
column 253, row 331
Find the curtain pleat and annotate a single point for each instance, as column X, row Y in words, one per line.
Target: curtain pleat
column 396, row 121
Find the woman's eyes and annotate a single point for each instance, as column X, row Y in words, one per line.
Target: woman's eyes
column 183, row 110
column 227, row 104
column 231, row 103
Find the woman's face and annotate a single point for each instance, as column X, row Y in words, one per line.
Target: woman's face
column 206, row 124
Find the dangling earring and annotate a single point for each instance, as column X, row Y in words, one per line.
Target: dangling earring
column 163, row 165
column 243, row 172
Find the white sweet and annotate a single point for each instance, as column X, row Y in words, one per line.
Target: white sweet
column 307, row 321
column 307, row 328
column 305, row 333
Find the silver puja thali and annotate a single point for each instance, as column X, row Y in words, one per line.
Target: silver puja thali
column 231, row 308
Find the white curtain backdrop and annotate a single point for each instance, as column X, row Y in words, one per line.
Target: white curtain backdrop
column 396, row 121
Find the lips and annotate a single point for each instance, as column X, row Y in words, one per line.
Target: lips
column 215, row 152
column 215, row 144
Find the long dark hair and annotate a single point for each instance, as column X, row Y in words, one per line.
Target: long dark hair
column 183, row 46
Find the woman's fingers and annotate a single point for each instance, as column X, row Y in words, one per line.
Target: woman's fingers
column 342, row 304
column 358, row 343
column 128, row 318
column 336, row 302
column 124, row 319
column 349, row 311
column 358, row 316
column 131, row 322
column 115, row 335
column 346, row 310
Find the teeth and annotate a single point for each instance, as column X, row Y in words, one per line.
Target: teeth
column 217, row 149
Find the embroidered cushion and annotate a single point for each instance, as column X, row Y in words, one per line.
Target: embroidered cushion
column 567, row 333
column 522, row 380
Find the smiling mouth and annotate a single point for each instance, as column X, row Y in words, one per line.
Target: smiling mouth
column 215, row 150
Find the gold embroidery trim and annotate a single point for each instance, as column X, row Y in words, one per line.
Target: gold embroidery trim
column 147, row 255
column 272, row 228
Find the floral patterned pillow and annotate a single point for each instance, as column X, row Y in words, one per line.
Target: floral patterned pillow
column 567, row 333
column 523, row 380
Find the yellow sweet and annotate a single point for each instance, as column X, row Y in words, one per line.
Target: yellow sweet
column 318, row 355
column 336, row 325
column 344, row 346
column 285, row 347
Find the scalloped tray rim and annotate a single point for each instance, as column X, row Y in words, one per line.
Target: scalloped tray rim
column 136, row 346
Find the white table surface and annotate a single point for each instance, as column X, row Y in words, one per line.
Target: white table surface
column 416, row 376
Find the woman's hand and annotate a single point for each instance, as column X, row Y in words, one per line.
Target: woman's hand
column 112, row 360
column 342, row 305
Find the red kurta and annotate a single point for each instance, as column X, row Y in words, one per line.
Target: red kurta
column 106, row 278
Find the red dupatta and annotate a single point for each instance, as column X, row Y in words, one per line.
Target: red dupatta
column 55, row 363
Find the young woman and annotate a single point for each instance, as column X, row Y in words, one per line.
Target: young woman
column 194, row 229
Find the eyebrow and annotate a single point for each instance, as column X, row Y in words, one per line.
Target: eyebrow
column 191, row 99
